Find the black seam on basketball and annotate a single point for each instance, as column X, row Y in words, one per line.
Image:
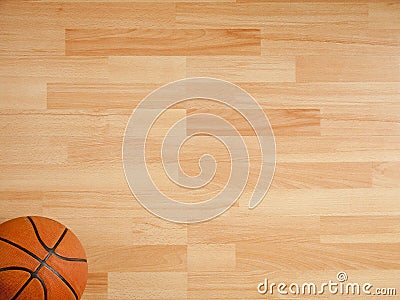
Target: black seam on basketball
column 63, row 280
column 21, row 248
column 54, row 271
column 52, row 250
column 42, row 283
column 22, row 288
column 70, row 258
column 60, row 239
column 37, row 234
column 16, row 268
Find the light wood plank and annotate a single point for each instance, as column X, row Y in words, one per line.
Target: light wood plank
column 109, row 96
column 143, row 258
column 162, row 42
column 96, row 287
column 112, row 209
column 323, row 175
column 384, row 14
column 338, row 148
column 348, row 68
column 97, row 96
column 62, row 15
column 155, row 69
column 316, row 256
column 149, row 285
column 203, row 258
column 22, row 93
column 13, row 204
column 53, row 68
column 248, row 15
column 240, row 224
column 371, row 229
column 61, row 123
column 332, row 39
column 236, row 68
column 337, row 202
column 357, row 121
column 386, row 174
column 43, row 150
column 284, row 122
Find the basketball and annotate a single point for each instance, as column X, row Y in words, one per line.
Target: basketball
column 40, row 259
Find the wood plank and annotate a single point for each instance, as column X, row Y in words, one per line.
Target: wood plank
column 384, row 15
column 57, row 177
column 241, row 224
column 357, row 121
column 143, row 258
column 357, row 229
column 306, row 39
column 335, row 202
column 33, row 150
column 250, row 15
column 22, row 93
column 284, row 122
column 141, row 69
column 143, row 228
column 338, row 148
column 61, row 123
column 96, row 287
column 323, row 175
column 316, row 95
column 170, row 285
column 62, row 15
column 33, row 35
column 239, row 69
column 31, row 40
column 162, row 42
column 275, row 95
column 112, row 209
column 53, row 68
column 107, row 204
column 348, row 68
column 386, row 174
column 97, row 96
column 316, row 256
column 15, row 203
column 224, row 284
column 203, row 258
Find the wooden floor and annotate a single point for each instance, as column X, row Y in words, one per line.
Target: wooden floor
column 326, row 73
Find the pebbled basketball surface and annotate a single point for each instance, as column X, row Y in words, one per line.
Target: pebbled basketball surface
column 40, row 259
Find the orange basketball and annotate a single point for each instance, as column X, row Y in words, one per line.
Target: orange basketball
column 40, row 259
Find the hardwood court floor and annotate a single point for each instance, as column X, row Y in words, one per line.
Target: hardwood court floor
column 328, row 76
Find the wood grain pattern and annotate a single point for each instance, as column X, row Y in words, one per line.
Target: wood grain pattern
column 290, row 122
column 330, row 41
column 258, row 69
column 347, row 68
column 162, row 42
column 327, row 75
column 250, row 15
